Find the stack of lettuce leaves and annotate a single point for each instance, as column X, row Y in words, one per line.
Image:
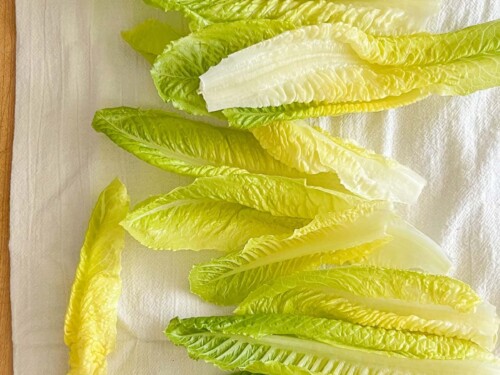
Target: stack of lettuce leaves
column 332, row 69
column 309, row 237
column 260, row 71
column 379, row 297
column 325, row 275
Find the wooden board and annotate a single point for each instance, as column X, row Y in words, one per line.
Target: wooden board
column 7, row 93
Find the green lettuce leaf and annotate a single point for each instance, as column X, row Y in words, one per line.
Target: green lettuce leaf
column 363, row 172
column 378, row 297
column 325, row 65
column 334, row 238
column 284, row 344
column 193, row 148
column 150, row 38
column 200, row 224
column 377, row 16
column 90, row 324
column 279, row 196
column 177, row 70
column 186, row 147
column 341, row 334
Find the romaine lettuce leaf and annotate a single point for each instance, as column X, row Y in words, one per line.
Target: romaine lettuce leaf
column 150, row 38
column 378, row 297
column 368, row 175
column 90, row 324
column 344, row 334
column 334, row 239
column 281, row 344
column 279, row 196
column 377, row 16
column 193, row 148
column 200, row 224
column 176, row 144
column 339, row 64
column 177, row 70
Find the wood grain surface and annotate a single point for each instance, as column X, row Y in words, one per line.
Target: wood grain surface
column 7, row 93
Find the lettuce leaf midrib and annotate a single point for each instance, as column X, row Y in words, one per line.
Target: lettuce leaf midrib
column 296, row 246
column 279, row 342
column 173, row 203
column 298, row 251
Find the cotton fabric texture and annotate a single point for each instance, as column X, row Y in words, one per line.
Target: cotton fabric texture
column 71, row 61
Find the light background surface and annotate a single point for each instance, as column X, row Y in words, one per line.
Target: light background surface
column 72, row 61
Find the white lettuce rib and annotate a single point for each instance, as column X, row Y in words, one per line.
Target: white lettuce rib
column 410, row 249
column 291, row 67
